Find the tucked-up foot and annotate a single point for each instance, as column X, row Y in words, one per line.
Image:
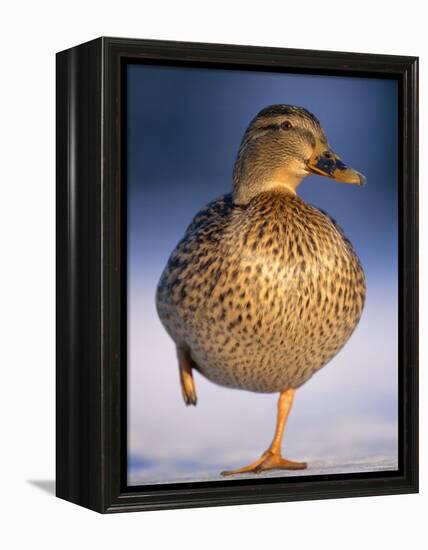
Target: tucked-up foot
column 188, row 389
column 186, row 366
column 268, row 461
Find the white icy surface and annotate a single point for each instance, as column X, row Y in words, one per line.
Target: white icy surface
column 170, row 473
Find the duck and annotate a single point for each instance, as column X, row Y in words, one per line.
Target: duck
column 264, row 289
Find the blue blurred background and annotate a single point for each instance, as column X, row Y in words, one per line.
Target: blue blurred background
column 184, row 130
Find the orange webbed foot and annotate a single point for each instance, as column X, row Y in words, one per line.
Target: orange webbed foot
column 268, row 461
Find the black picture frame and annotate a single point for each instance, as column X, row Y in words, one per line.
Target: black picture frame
column 91, row 276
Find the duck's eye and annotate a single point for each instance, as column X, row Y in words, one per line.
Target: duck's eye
column 286, row 125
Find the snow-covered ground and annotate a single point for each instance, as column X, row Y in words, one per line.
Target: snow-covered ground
column 186, row 472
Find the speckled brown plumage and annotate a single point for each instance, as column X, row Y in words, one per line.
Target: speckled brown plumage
column 264, row 289
column 263, row 295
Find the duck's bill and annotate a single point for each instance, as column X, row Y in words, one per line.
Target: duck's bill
column 331, row 166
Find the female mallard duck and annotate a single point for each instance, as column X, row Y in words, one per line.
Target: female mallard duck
column 264, row 289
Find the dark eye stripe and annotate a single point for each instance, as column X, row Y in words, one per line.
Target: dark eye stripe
column 270, row 127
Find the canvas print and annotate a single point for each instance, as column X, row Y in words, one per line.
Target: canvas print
column 262, row 307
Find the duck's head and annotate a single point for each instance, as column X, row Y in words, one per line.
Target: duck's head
column 281, row 146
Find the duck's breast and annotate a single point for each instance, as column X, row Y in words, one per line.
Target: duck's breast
column 266, row 299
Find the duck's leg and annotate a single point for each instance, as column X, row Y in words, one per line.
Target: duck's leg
column 272, row 459
column 185, row 365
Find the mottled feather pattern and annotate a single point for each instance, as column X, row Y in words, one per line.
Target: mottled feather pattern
column 262, row 295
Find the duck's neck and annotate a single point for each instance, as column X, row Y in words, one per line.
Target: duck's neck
column 251, row 184
column 261, row 167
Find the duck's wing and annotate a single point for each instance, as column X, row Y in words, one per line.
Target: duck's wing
column 347, row 242
column 198, row 249
column 213, row 216
column 196, row 252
